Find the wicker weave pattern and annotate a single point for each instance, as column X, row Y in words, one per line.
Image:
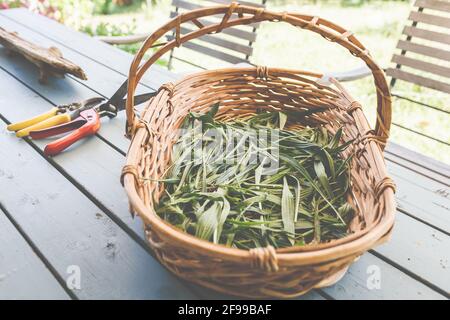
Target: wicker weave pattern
column 262, row 272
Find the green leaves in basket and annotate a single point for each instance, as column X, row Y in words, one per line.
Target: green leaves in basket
column 253, row 183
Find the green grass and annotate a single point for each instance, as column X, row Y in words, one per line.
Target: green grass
column 377, row 24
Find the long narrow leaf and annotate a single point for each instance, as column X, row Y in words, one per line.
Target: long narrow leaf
column 288, row 210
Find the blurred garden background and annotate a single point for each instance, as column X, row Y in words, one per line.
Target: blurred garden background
column 378, row 25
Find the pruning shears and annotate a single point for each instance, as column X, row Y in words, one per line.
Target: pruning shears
column 81, row 118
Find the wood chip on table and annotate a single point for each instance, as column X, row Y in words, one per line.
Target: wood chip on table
column 49, row 60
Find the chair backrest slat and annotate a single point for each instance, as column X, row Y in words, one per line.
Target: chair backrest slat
column 183, row 4
column 430, row 19
column 223, row 42
column 236, row 42
column 420, row 80
column 427, row 34
column 211, row 52
column 438, row 5
column 425, row 52
column 421, row 65
column 239, row 33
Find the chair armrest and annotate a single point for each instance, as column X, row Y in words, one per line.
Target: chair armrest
column 123, row 39
column 349, row 75
column 243, row 65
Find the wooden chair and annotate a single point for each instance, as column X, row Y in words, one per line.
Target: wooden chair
column 233, row 45
column 423, row 58
column 427, row 15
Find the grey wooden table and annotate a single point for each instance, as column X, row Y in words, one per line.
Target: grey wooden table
column 70, row 211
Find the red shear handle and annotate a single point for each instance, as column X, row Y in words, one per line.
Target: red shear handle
column 91, row 127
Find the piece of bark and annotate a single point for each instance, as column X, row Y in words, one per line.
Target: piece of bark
column 49, row 60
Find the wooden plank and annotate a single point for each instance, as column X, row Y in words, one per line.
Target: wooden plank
column 85, row 167
column 23, row 275
column 421, row 250
column 424, row 50
column 427, row 34
column 422, row 81
column 357, row 284
column 430, row 19
column 433, row 205
column 211, row 52
column 433, row 4
column 421, row 65
column 416, row 169
column 397, row 157
column 240, row 48
column 71, row 230
column 233, row 31
column 419, row 160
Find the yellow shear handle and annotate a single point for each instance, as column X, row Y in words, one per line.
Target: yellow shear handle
column 50, row 122
column 26, row 123
column 47, row 122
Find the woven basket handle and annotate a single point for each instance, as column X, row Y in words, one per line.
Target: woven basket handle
column 249, row 15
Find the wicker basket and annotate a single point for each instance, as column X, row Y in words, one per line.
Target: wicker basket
column 262, row 272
